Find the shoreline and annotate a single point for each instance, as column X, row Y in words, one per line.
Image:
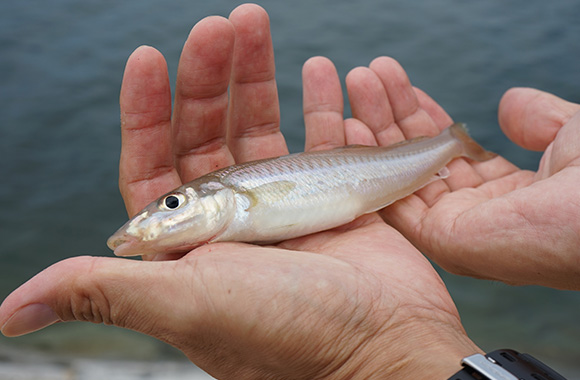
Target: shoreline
column 93, row 369
column 19, row 364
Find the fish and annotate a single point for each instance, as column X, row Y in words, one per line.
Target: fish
column 275, row 199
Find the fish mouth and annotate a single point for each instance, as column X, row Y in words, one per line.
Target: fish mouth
column 122, row 244
column 114, row 241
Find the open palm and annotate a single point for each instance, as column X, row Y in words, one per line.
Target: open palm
column 489, row 219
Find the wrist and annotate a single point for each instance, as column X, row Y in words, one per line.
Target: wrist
column 435, row 353
column 428, row 351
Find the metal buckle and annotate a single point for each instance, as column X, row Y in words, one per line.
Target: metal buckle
column 487, row 367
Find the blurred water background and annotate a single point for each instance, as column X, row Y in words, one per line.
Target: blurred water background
column 61, row 64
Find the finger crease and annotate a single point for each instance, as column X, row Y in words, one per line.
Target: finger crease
column 148, row 175
column 140, row 127
column 258, row 130
column 325, row 145
column 385, row 132
column 210, row 146
column 260, row 77
column 323, row 108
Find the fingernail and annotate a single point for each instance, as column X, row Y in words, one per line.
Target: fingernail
column 28, row 319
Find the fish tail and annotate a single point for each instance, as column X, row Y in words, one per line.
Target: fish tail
column 471, row 149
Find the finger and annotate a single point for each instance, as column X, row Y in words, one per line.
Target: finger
column 322, row 105
column 412, row 120
column 370, row 104
column 201, row 99
column 531, row 118
column 434, row 110
column 254, row 112
column 565, row 151
column 358, row 133
column 146, row 165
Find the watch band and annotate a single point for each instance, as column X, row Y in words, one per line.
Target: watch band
column 465, row 374
column 504, row 365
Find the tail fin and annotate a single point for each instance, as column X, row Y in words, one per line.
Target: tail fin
column 471, row 149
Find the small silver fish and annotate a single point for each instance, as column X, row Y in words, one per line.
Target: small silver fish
column 275, row 199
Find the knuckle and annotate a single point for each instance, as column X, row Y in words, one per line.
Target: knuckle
column 88, row 300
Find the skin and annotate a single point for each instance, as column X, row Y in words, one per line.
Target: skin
column 359, row 301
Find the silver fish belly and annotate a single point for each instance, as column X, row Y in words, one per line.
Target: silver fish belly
column 276, row 199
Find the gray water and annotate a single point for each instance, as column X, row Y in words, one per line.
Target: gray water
column 61, row 64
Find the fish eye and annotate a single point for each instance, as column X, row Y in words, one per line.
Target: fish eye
column 172, row 201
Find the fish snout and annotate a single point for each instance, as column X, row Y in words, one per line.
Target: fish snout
column 115, row 241
column 121, row 243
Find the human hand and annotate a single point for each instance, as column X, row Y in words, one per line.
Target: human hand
column 355, row 302
column 488, row 219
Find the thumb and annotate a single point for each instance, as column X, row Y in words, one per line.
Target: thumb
column 120, row 292
column 566, row 147
column 531, row 118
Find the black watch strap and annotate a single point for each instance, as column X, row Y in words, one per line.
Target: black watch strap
column 505, row 365
column 464, row 374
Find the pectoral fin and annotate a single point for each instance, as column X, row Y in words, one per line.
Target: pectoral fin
column 269, row 192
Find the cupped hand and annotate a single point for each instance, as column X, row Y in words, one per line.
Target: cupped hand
column 488, row 219
column 355, row 302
